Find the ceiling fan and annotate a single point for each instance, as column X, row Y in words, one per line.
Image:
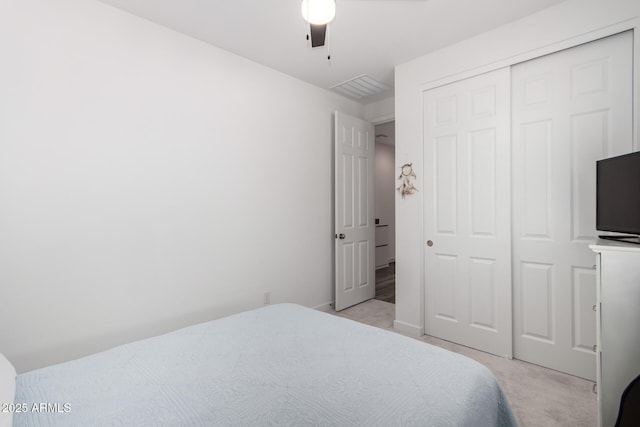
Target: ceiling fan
column 318, row 13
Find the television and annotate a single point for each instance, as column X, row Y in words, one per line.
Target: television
column 618, row 196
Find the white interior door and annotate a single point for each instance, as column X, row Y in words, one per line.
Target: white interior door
column 468, row 213
column 570, row 109
column 354, row 211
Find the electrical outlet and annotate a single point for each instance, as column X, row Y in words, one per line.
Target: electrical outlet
column 267, row 298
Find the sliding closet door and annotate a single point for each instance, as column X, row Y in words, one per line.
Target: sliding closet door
column 468, row 213
column 570, row 109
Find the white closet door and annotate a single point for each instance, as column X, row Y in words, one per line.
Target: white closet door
column 467, row 213
column 570, row 109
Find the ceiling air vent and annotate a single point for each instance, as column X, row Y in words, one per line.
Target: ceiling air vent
column 360, row 87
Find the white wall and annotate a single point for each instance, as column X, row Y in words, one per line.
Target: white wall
column 380, row 111
column 149, row 181
column 567, row 24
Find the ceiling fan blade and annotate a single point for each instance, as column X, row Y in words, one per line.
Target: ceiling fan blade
column 318, row 33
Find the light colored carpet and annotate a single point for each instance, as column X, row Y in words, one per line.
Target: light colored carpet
column 538, row 396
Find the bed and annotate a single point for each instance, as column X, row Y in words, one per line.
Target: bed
column 282, row 364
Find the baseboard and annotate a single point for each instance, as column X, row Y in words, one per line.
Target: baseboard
column 412, row 331
column 326, row 307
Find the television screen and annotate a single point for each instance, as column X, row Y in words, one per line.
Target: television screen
column 618, row 194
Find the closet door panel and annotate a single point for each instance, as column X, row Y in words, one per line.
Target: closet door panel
column 569, row 109
column 467, row 213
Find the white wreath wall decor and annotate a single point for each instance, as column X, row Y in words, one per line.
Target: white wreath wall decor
column 406, row 173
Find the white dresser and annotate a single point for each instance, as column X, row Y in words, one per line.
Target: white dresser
column 618, row 324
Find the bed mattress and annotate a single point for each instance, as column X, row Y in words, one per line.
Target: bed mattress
column 278, row 365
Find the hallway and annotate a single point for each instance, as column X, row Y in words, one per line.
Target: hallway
column 386, row 283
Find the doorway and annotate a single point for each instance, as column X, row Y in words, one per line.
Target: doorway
column 385, row 182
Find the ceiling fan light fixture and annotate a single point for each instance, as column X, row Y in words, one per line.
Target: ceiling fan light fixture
column 318, row 12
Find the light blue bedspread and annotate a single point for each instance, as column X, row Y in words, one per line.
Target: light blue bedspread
column 278, row 365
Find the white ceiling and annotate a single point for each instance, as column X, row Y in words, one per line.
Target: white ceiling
column 366, row 37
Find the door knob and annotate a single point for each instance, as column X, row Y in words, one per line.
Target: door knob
column 341, row 236
column 429, row 243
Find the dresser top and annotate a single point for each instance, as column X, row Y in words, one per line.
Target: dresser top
column 612, row 245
